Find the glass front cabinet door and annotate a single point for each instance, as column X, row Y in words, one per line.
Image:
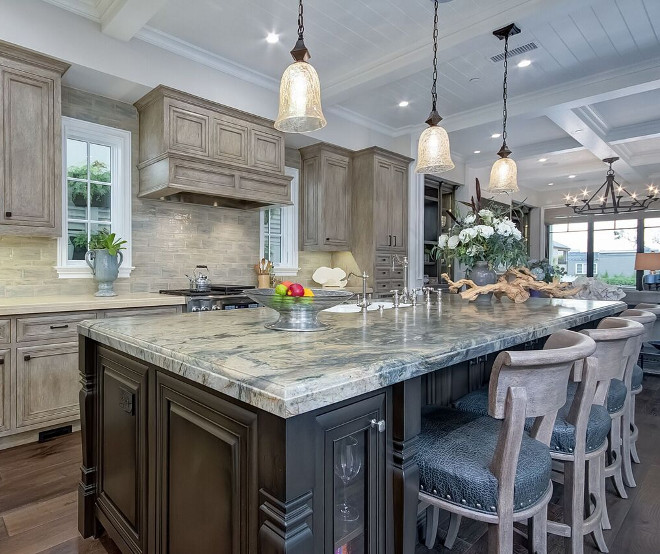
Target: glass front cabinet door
column 354, row 443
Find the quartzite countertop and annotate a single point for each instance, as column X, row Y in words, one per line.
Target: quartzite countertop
column 83, row 302
column 291, row 373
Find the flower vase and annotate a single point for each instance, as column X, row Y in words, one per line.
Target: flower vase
column 482, row 275
column 105, row 269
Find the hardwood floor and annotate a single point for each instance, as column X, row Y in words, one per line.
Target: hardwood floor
column 38, row 493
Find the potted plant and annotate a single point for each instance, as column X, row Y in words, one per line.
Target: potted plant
column 482, row 240
column 104, row 257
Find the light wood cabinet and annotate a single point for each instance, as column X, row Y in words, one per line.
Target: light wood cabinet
column 325, row 192
column 31, row 157
column 195, row 150
column 380, row 215
column 5, row 390
column 47, row 383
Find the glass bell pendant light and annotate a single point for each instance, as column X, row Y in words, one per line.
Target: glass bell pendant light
column 433, row 153
column 300, row 91
column 504, row 174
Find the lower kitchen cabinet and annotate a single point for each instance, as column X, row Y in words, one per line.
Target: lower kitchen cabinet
column 5, row 390
column 122, row 469
column 47, row 383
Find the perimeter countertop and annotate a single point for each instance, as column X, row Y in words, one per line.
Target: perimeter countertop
column 291, row 373
column 83, row 302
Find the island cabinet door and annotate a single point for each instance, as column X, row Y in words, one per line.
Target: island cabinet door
column 354, row 490
column 122, row 462
column 206, row 472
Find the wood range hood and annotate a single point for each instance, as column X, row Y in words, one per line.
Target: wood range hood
column 197, row 151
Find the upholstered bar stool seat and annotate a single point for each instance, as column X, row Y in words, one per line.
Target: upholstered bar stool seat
column 637, row 378
column 616, row 396
column 563, row 434
column 455, row 451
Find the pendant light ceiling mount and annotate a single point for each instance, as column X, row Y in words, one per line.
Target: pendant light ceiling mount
column 433, row 153
column 300, row 90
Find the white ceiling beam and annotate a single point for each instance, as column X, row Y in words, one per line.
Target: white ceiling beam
column 124, row 18
column 633, row 133
column 417, row 56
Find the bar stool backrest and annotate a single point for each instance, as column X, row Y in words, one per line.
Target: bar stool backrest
column 616, row 342
column 542, row 374
column 647, row 319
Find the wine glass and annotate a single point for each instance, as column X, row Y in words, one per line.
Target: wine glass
column 347, row 467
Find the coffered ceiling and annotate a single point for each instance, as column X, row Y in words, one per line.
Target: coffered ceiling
column 592, row 89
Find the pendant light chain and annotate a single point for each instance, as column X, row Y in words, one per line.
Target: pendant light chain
column 301, row 26
column 504, row 88
column 434, row 94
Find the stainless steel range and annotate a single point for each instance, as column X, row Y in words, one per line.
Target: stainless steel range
column 217, row 297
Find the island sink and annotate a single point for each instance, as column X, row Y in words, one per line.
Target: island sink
column 213, row 434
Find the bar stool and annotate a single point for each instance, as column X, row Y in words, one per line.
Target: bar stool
column 580, row 434
column 633, row 381
column 488, row 468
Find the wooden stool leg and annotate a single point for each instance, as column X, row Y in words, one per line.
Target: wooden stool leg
column 616, row 457
column 537, row 530
column 432, row 516
column 626, row 432
column 574, row 505
column 633, row 445
column 500, row 537
column 594, row 489
column 606, row 518
column 452, row 532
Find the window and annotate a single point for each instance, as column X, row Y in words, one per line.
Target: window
column 279, row 232
column 568, row 248
column 96, row 192
column 615, row 248
column 580, row 269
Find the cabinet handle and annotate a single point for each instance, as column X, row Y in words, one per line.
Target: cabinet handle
column 7, row 214
column 394, row 240
column 2, row 361
column 380, row 425
column 390, row 240
column 27, row 357
column 63, row 326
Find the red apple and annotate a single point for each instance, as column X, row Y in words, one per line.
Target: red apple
column 297, row 290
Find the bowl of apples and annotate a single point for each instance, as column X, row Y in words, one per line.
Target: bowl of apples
column 297, row 306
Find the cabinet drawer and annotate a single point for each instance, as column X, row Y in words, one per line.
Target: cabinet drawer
column 382, row 286
column 5, row 331
column 159, row 310
column 381, row 273
column 384, row 259
column 397, row 274
column 57, row 326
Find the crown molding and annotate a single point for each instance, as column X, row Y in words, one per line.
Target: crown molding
column 90, row 9
column 200, row 55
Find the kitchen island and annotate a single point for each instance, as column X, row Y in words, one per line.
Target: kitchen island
column 206, row 432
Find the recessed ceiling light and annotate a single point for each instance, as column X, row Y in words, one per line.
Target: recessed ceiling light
column 496, row 135
column 572, row 176
column 550, row 184
column 477, row 151
column 524, row 63
column 403, row 103
column 272, row 38
column 543, row 160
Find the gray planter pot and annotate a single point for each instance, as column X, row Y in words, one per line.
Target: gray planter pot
column 481, row 274
column 105, row 269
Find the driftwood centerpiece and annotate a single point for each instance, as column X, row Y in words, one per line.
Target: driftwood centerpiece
column 515, row 284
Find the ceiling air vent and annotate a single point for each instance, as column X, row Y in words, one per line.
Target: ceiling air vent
column 515, row 52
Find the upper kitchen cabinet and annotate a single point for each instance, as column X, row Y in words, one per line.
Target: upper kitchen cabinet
column 380, row 215
column 31, row 174
column 325, row 194
column 194, row 150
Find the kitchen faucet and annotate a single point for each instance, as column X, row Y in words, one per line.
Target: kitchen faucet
column 364, row 303
column 405, row 296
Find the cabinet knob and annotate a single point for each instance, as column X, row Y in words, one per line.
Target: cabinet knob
column 7, row 214
column 27, row 357
column 380, row 425
column 327, row 239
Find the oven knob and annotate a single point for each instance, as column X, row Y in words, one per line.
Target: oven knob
column 205, row 308
column 216, row 307
column 195, row 309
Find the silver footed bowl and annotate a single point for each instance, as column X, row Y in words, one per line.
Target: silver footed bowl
column 298, row 313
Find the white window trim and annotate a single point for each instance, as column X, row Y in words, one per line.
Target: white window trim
column 583, row 268
column 289, row 264
column 121, row 202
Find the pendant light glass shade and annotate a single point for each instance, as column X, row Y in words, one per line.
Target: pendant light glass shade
column 433, row 154
column 300, row 100
column 503, row 176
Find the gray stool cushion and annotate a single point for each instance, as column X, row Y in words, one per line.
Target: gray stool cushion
column 637, row 377
column 563, row 434
column 454, row 454
column 616, row 396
